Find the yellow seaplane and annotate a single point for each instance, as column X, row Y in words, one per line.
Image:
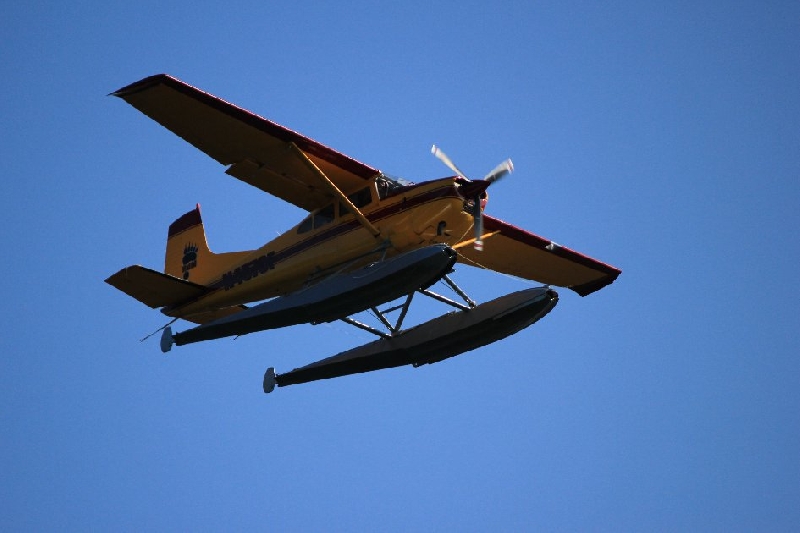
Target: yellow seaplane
column 369, row 240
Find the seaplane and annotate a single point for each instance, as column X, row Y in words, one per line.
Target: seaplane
column 369, row 240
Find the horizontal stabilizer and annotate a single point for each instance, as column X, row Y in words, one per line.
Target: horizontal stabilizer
column 153, row 288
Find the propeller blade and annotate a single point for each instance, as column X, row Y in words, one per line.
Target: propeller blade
column 499, row 171
column 477, row 218
column 446, row 160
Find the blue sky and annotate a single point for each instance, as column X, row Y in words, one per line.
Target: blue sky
column 661, row 138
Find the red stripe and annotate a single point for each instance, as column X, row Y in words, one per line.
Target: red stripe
column 185, row 222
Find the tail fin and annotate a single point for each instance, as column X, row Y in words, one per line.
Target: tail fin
column 188, row 256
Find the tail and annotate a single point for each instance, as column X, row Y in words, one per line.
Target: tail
column 188, row 256
column 189, row 268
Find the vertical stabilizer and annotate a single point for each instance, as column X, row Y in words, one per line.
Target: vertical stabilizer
column 188, row 256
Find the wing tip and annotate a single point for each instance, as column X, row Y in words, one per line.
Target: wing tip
column 141, row 85
column 593, row 286
column 310, row 146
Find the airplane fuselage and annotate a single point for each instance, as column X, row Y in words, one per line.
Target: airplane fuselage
column 331, row 239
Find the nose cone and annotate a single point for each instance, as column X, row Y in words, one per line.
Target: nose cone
column 471, row 189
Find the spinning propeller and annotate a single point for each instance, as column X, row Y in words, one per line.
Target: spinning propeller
column 474, row 189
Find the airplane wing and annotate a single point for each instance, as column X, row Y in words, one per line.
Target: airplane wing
column 514, row 251
column 255, row 149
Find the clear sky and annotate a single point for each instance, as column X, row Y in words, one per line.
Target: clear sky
column 663, row 138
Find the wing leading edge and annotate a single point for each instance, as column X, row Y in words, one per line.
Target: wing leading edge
column 256, row 150
column 514, row 251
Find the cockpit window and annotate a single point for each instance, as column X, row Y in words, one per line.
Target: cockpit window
column 361, row 198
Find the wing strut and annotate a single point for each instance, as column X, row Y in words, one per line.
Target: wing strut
column 335, row 190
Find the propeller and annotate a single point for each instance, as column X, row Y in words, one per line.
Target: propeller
column 447, row 161
column 475, row 189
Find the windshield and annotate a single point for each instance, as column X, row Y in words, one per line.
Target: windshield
column 401, row 181
column 390, row 185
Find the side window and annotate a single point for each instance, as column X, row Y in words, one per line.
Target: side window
column 305, row 225
column 323, row 216
column 317, row 220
